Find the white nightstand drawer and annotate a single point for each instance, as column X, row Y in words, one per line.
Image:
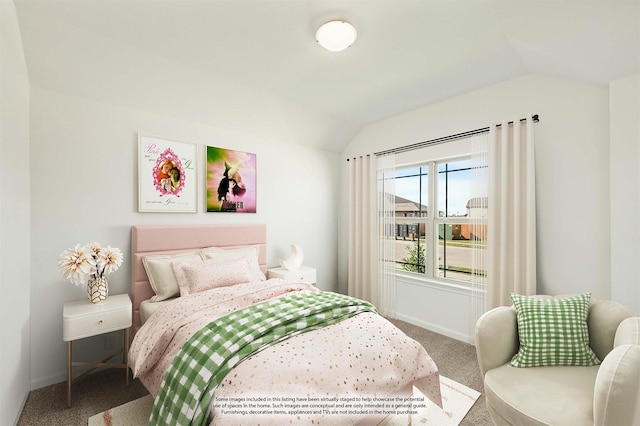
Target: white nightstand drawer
column 83, row 319
column 304, row 273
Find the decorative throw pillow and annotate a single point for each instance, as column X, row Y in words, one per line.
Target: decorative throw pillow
column 553, row 332
column 252, row 254
column 197, row 277
column 161, row 277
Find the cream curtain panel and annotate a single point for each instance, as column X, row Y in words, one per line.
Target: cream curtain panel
column 363, row 247
column 386, row 233
column 479, row 187
column 511, row 212
column 371, row 273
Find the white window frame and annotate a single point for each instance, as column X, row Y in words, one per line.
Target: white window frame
column 432, row 156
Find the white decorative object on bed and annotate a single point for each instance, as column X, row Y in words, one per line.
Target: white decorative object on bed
column 285, row 339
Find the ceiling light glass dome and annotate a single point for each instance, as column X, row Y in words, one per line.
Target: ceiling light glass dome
column 336, row 35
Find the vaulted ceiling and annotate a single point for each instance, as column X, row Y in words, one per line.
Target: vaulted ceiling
column 259, row 58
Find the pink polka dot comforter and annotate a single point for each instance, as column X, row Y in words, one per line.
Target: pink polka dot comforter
column 364, row 356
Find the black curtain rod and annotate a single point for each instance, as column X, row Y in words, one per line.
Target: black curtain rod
column 445, row 138
column 359, row 156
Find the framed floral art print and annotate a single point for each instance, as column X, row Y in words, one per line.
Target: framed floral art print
column 166, row 175
column 231, row 181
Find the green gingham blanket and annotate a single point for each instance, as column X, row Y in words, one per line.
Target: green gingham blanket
column 186, row 392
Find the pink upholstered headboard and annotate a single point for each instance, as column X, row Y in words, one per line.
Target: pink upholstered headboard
column 156, row 239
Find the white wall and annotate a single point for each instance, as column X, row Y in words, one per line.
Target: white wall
column 14, row 219
column 572, row 161
column 84, row 188
column 625, row 190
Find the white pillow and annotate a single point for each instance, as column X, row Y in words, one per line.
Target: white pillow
column 252, row 254
column 161, row 277
column 197, row 277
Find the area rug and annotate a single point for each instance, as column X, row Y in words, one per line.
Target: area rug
column 457, row 400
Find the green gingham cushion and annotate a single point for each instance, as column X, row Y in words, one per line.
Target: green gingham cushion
column 553, row 332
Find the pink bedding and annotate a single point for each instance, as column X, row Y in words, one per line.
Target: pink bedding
column 364, row 355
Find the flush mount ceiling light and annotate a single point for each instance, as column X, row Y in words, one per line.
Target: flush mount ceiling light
column 336, row 35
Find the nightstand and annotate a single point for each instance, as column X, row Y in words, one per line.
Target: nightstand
column 82, row 319
column 303, row 273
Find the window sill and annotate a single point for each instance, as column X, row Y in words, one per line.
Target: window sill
column 438, row 284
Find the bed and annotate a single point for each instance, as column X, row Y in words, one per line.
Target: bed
column 336, row 362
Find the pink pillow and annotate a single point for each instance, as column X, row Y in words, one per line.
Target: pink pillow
column 194, row 278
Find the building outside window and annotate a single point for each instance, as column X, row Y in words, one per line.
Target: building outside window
column 439, row 214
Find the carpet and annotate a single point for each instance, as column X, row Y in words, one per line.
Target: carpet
column 457, row 400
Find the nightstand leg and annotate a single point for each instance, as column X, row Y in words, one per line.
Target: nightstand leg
column 125, row 354
column 69, row 351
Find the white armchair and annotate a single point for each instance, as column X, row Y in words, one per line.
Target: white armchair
column 605, row 394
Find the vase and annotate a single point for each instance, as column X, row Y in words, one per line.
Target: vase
column 97, row 289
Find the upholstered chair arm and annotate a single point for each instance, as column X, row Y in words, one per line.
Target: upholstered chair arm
column 496, row 338
column 617, row 390
column 604, row 320
column 628, row 332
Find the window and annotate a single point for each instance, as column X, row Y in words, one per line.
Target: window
column 438, row 214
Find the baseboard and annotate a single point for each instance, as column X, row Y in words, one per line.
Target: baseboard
column 49, row 380
column 437, row 329
column 17, row 415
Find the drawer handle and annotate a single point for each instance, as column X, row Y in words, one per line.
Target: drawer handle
column 100, row 322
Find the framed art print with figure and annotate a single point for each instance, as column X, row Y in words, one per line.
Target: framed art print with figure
column 231, row 181
column 166, row 175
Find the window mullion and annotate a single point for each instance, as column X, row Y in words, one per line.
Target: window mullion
column 432, row 248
